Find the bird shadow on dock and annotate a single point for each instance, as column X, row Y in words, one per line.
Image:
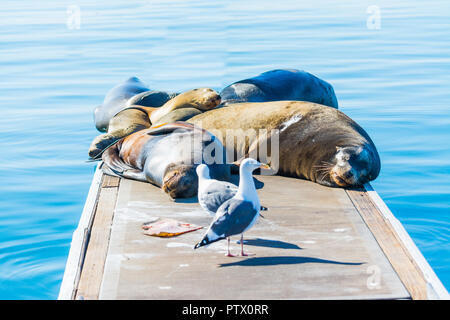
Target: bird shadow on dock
column 270, row 243
column 284, row 260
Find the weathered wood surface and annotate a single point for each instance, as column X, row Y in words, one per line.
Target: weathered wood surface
column 392, row 247
column 94, row 262
column 314, row 243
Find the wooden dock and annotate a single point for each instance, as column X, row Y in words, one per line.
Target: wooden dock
column 313, row 243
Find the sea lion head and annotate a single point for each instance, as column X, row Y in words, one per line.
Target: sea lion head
column 205, row 98
column 353, row 166
column 180, row 181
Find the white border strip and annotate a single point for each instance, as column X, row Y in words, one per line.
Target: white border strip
column 79, row 240
column 435, row 288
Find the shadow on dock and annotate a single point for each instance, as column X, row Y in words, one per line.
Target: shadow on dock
column 270, row 243
column 283, row 260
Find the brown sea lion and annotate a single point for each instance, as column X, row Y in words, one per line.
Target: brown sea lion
column 202, row 99
column 178, row 115
column 316, row 142
column 151, row 98
column 167, row 156
column 124, row 123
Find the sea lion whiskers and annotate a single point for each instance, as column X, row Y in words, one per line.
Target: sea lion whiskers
column 323, row 170
column 324, row 164
column 323, row 175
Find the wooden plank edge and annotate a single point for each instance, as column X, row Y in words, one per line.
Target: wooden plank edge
column 79, row 240
column 435, row 288
column 91, row 274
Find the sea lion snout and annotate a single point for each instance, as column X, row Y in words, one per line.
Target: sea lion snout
column 180, row 181
column 351, row 166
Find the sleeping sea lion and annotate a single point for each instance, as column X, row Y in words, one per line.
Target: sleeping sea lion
column 282, row 84
column 178, row 115
column 131, row 92
column 202, row 99
column 167, row 156
column 151, row 98
column 315, row 142
column 126, row 122
column 138, row 117
column 115, row 100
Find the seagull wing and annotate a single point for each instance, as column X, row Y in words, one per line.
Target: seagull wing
column 234, row 217
column 216, row 194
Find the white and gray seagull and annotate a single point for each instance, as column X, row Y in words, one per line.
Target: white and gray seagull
column 213, row 193
column 238, row 214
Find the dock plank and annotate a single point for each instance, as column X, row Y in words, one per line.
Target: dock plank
column 400, row 259
column 110, row 181
column 92, row 272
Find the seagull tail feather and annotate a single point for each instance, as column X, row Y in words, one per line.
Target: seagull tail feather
column 206, row 240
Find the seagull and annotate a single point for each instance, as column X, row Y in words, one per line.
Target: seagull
column 213, row 193
column 238, row 214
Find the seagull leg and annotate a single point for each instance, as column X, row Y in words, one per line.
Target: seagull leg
column 242, row 247
column 228, row 249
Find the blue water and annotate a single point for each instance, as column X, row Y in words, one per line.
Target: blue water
column 393, row 80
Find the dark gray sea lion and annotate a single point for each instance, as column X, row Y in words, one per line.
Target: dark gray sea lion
column 283, row 84
column 116, row 100
column 316, row 142
column 131, row 92
column 167, row 157
column 137, row 117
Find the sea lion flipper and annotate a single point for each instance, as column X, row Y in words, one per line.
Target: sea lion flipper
column 114, row 165
column 100, row 144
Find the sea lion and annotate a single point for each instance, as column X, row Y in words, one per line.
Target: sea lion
column 167, row 156
column 137, row 117
column 178, row 115
column 131, row 92
column 151, row 98
column 281, row 84
column 202, row 99
column 115, row 100
column 124, row 123
column 316, row 142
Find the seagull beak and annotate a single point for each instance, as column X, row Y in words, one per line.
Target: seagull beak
column 264, row 166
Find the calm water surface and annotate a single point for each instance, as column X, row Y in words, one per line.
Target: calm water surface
column 394, row 81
